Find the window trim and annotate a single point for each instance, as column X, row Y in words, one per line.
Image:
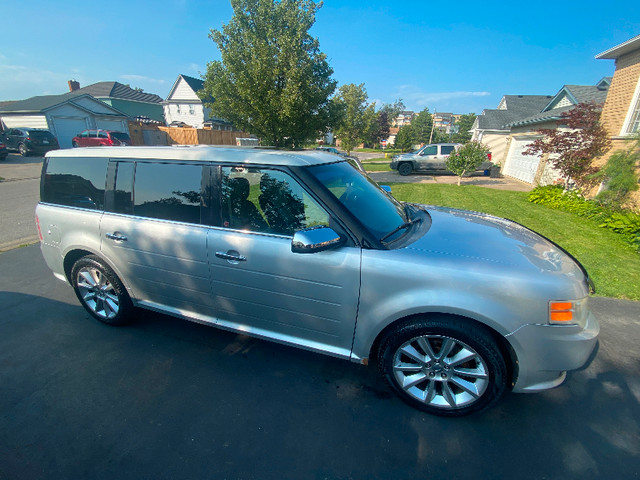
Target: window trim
column 634, row 107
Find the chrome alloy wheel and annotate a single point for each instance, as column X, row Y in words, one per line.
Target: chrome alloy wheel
column 440, row 371
column 97, row 292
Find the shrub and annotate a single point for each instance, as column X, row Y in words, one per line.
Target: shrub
column 626, row 223
column 467, row 159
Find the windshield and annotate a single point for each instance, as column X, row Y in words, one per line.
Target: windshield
column 373, row 207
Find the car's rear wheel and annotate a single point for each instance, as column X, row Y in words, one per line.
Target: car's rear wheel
column 22, row 148
column 100, row 291
column 74, row 144
column 444, row 366
column 405, row 168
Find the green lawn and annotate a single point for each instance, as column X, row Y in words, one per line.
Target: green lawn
column 377, row 167
column 613, row 265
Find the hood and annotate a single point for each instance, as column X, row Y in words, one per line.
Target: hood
column 494, row 241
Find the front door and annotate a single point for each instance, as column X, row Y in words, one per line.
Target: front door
column 259, row 285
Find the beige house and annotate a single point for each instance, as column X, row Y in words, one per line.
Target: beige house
column 491, row 128
column 534, row 169
column 621, row 112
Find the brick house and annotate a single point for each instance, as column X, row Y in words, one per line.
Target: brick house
column 621, row 111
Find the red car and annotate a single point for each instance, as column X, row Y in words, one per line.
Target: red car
column 97, row 137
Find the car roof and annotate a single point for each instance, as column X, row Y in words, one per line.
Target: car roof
column 206, row 153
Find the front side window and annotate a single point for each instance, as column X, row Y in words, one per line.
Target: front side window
column 430, row 150
column 268, row 201
column 75, row 182
column 168, row 191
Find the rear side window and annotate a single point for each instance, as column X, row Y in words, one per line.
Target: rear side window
column 168, row 191
column 446, row 149
column 75, row 182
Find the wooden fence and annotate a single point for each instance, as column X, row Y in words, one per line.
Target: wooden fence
column 156, row 135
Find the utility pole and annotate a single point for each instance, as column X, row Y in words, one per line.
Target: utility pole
column 433, row 125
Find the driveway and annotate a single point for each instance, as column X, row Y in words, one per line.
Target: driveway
column 169, row 399
column 19, row 195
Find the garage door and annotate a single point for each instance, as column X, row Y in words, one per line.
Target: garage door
column 517, row 165
column 111, row 124
column 68, row 127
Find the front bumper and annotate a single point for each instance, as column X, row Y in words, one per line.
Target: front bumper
column 546, row 352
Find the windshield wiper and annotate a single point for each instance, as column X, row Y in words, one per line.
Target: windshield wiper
column 401, row 227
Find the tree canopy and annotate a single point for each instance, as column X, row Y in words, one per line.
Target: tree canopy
column 273, row 80
column 357, row 118
column 464, row 123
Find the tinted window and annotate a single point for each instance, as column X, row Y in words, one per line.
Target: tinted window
column 40, row 135
column 75, row 182
column 168, row 191
column 271, row 201
column 430, row 150
column 102, row 134
column 446, row 149
column 123, row 193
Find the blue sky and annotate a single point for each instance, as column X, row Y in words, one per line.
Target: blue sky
column 453, row 56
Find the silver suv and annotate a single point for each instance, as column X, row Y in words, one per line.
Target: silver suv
column 429, row 158
column 303, row 249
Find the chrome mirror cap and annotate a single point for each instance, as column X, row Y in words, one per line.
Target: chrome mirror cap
column 315, row 239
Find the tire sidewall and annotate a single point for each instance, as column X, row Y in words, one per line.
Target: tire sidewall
column 470, row 334
column 405, row 169
column 125, row 306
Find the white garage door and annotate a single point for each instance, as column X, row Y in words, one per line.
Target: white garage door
column 517, row 165
column 111, row 124
column 68, row 127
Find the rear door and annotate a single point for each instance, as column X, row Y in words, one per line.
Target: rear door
column 154, row 235
column 259, row 285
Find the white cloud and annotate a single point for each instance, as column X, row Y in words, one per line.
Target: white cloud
column 142, row 78
column 20, row 82
column 416, row 98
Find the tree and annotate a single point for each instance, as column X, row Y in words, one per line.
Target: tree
column 381, row 127
column 467, row 158
column 272, row 81
column 464, row 123
column 422, row 126
column 404, row 138
column 574, row 150
column 357, row 115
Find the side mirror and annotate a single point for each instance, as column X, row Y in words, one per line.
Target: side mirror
column 315, row 239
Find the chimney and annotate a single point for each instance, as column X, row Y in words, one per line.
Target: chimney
column 73, row 85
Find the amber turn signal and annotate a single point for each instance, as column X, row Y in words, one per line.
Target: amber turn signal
column 561, row 312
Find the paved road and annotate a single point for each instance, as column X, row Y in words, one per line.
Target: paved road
column 19, row 195
column 169, row 399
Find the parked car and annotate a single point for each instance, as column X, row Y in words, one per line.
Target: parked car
column 430, row 158
column 454, row 307
column 3, row 150
column 30, row 141
column 98, row 137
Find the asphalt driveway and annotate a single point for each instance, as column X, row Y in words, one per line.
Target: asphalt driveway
column 169, row 399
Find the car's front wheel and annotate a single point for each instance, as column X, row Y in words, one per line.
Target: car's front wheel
column 405, row 168
column 443, row 365
column 100, row 291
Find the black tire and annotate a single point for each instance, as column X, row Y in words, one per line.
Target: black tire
column 74, row 144
column 100, row 291
column 405, row 169
column 22, row 148
column 439, row 383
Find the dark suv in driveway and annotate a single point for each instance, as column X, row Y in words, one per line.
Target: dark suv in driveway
column 29, row 141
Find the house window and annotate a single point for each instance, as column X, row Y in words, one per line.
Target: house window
column 632, row 124
column 192, row 109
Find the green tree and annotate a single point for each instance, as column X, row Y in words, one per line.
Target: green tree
column 393, row 110
column 422, row 125
column 467, row 159
column 404, row 138
column 273, row 80
column 464, row 124
column 357, row 115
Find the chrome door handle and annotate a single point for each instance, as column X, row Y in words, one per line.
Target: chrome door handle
column 115, row 236
column 231, row 256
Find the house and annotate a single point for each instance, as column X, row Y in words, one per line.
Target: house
column 621, row 112
column 533, row 169
column 64, row 115
column 445, row 122
column 403, row 118
column 491, row 128
column 183, row 107
column 134, row 103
